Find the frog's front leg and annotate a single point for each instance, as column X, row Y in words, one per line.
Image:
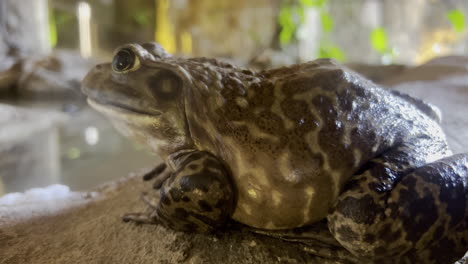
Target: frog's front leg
column 402, row 211
column 198, row 195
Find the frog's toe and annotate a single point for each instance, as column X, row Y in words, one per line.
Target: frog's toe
column 160, row 174
column 151, row 201
column 139, row 218
column 161, row 179
column 155, row 172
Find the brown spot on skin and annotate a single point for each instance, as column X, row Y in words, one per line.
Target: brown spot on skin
column 451, row 186
column 200, row 181
column 383, row 178
column 204, row 206
column 212, row 163
column 345, row 100
column 365, row 146
column 346, row 233
column 263, row 95
column 176, row 194
column 394, row 210
column 369, row 238
column 193, row 156
column 387, row 234
column 164, row 85
column 443, row 251
column 295, row 109
column 165, row 200
column 354, row 184
column 439, row 232
column 190, row 227
column 418, row 214
column 362, row 211
column 180, row 213
column 235, row 113
column 269, row 122
column 247, row 72
column 331, row 133
column 194, row 167
column 380, row 251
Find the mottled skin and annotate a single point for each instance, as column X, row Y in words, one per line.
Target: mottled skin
column 287, row 148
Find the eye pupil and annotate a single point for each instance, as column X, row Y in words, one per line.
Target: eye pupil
column 123, row 60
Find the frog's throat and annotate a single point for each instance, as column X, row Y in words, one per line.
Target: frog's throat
column 115, row 109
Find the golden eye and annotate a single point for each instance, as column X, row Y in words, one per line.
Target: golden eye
column 125, row 60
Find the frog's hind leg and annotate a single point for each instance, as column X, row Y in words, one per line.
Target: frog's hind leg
column 399, row 208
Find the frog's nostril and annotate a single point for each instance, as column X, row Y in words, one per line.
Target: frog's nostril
column 99, row 66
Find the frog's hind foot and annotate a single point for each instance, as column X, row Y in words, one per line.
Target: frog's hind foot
column 315, row 239
column 144, row 218
column 316, row 233
column 338, row 254
column 139, row 218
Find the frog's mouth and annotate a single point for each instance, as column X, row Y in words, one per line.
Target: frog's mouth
column 118, row 108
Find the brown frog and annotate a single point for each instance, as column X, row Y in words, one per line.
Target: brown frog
column 288, row 148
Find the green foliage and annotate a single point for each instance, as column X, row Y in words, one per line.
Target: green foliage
column 52, row 29
column 327, row 22
column 142, row 17
column 62, row 18
column 58, row 19
column 330, row 50
column 313, row 3
column 378, row 38
column 457, row 19
column 288, row 27
column 292, row 14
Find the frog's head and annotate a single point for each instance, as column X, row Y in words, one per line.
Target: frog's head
column 141, row 91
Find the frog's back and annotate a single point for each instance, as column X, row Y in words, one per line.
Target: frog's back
column 293, row 136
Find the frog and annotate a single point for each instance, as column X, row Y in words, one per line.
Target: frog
column 288, row 148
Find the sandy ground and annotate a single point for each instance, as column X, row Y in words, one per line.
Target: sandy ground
column 90, row 231
column 94, row 233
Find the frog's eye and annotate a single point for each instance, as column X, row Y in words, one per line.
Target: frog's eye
column 125, row 60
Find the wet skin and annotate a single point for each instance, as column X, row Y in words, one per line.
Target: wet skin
column 288, row 148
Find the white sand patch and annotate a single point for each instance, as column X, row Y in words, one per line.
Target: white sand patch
column 18, row 207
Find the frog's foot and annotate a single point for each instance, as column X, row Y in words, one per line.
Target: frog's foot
column 139, row 218
column 160, row 172
column 316, row 239
column 143, row 218
column 312, row 234
column 406, row 215
column 338, row 254
column 199, row 196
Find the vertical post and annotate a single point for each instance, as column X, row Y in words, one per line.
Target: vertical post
column 24, row 27
column 84, row 26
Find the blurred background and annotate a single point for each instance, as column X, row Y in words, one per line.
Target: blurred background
column 49, row 135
